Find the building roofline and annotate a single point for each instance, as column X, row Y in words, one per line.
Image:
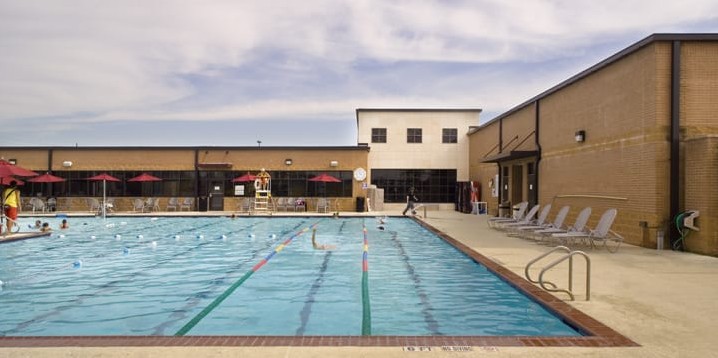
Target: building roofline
column 658, row 37
column 418, row 110
column 357, row 147
column 448, row 110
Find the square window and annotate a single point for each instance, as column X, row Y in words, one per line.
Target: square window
column 378, row 135
column 449, row 135
column 413, row 135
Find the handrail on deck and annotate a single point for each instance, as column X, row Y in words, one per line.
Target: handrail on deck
column 568, row 256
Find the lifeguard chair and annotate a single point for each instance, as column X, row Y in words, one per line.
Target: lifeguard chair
column 262, row 192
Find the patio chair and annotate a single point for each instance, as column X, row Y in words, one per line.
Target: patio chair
column 149, row 204
column 155, row 205
column 578, row 226
column 300, row 204
column 93, row 204
column 322, row 205
column 110, row 205
column 601, row 234
column 51, row 204
column 172, row 203
column 187, row 203
column 26, row 203
column 518, row 215
column 37, row 205
column 526, row 220
column 245, row 205
column 138, row 205
column 281, row 204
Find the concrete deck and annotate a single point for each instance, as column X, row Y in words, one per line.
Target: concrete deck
column 663, row 300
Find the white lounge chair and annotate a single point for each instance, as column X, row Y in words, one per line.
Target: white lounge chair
column 539, row 222
column 601, row 234
column 579, row 226
column 527, row 220
column 518, row 215
column 528, row 231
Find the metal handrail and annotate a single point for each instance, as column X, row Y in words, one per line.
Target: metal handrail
column 570, row 274
column 557, row 248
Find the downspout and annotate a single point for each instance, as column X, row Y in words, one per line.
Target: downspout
column 538, row 147
column 196, row 173
column 49, row 169
column 498, row 164
column 49, row 160
column 675, row 137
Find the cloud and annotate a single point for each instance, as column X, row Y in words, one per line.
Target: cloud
column 84, row 62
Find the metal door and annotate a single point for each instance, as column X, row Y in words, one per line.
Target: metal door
column 216, row 195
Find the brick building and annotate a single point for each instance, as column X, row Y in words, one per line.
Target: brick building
column 637, row 131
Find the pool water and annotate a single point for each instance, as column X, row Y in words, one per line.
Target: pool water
column 151, row 276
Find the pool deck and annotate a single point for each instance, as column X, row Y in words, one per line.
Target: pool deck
column 664, row 301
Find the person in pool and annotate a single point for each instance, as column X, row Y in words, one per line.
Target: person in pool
column 320, row 246
column 64, row 224
column 45, row 227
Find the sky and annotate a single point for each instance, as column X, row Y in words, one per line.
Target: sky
column 292, row 73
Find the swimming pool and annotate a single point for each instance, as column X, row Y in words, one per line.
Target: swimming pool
column 152, row 276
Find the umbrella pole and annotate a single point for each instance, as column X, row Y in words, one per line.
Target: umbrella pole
column 104, row 188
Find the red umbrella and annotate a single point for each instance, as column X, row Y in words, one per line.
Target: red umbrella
column 105, row 178
column 144, row 177
column 244, row 178
column 325, row 178
column 8, row 169
column 7, row 180
column 46, row 178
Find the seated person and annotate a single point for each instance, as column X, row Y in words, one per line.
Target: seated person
column 45, row 227
column 319, row 246
column 64, row 224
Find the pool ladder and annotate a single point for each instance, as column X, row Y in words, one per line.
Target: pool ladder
column 550, row 286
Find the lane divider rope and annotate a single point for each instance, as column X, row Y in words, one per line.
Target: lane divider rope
column 366, row 307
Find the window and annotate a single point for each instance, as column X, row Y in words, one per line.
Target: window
column 449, row 135
column 431, row 185
column 413, row 135
column 378, row 135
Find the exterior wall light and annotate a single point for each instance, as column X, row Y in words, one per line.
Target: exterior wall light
column 67, row 164
column 580, row 136
column 287, row 161
column 333, row 163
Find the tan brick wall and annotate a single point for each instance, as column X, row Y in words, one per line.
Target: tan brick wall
column 518, row 129
column 484, row 143
column 624, row 110
column 124, row 159
column 699, row 134
column 35, row 159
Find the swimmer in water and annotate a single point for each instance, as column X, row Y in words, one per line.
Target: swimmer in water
column 319, row 246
